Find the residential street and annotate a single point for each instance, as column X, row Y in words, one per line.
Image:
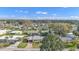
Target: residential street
column 19, row 49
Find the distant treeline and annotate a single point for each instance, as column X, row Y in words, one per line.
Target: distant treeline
column 57, row 21
column 42, row 21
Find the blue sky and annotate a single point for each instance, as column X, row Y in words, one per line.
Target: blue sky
column 39, row 12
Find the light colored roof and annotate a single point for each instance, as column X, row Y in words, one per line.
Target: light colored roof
column 35, row 37
column 70, row 33
column 18, row 36
column 11, row 38
column 4, row 30
column 2, row 37
column 66, row 38
column 15, row 37
column 16, row 32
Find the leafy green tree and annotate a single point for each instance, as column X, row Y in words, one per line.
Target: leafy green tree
column 24, row 40
column 51, row 43
column 60, row 28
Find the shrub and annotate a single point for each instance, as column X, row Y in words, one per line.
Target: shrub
column 35, row 44
column 22, row 45
column 4, row 45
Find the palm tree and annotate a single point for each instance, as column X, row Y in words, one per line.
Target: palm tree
column 51, row 43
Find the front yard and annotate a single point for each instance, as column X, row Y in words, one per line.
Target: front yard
column 22, row 45
column 2, row 45
column 36, row 44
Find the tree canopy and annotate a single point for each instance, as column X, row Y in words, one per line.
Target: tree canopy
column 52, row 43
column 60, row 28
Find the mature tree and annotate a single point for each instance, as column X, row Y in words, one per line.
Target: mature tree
column 60, row 28
column 26, row 23
column 76, row 33
column 78, row 27
column 51, row 43
column 24, row 40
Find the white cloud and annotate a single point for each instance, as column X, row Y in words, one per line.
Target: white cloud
column 38, row 12
column 8, row 16
column 21, row 11
column 71, row 16
column 12, row 16
column 4, row 16
column 44, row 13
column 18, row 11
column 74, row 16
column 65, row 7
column 41, row 12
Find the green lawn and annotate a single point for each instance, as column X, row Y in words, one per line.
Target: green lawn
column 70, row 46
column 4, row 45
column 22, row 45
column 35, row 44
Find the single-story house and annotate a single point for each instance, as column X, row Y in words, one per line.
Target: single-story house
column 71, row 35
column 68, row 37
column 34, row 38
column 16, row 32
column 7, row 39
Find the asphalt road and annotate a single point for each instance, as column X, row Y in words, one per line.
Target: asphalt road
column 19, row 49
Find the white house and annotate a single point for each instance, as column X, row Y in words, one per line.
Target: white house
column 3, row 31
column 16, row 32
column 35, row 38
